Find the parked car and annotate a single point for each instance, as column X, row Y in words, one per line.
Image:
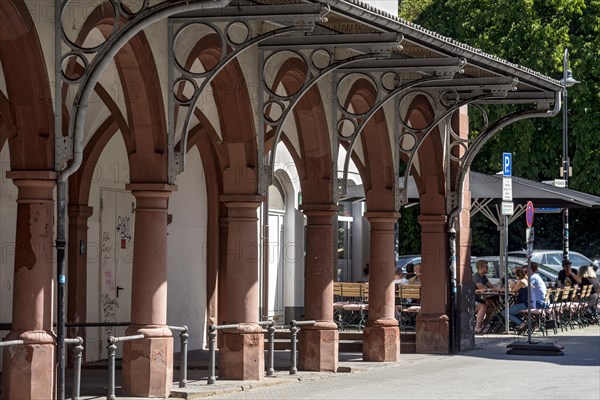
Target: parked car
column 403, row 261
column 553, row 258
column 548, row 274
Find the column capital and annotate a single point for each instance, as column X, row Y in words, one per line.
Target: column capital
column 433, row 223
column 153, row 189
column 382, row 216
column 238, row 200
column 32, row 175
column 323, row 209
column 80, row 211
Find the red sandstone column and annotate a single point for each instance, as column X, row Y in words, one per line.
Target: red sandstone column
column 222, row 278
column 241, row 356
column 76, row 302
column 148, row 363
column 381, row 338
column 318, row 344
column 432, row 324
column 28, row 370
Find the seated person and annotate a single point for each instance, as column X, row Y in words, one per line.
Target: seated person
column 538, row 287
column 399, row 278
column 587, row 276
column 568, row 275
column 481, row 282
column 520, row 288
column 416, row 280
column 410, row 270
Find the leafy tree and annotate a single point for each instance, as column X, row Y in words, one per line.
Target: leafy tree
column 534, row 33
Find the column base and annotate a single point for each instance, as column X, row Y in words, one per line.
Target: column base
column 318, row 349
column 433, row 334
column 241, row 355
column 28, row 371
column 381, row 341
column 148, row 367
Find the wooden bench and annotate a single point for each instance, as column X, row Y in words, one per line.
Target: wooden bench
column 350, row 304
column 408, row 306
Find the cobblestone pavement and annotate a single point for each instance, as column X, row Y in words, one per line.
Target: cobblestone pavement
column 485, row 373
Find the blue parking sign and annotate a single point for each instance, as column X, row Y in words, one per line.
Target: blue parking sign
column 506, row 164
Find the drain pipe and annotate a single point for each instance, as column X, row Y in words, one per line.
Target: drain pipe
column 483, row 138
column 80, row 104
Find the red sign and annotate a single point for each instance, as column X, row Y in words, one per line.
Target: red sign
column 529, row 214
column 123, row 243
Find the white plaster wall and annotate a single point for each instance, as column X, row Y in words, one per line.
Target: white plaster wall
column 112, row 171
column 8, row 219
column 186, row 261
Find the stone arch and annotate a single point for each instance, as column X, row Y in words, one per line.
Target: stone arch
column 7, row 123
column 237, row 149
column 429, row 177
column 29, row 98
column 377, row 172
column 143, row 96
column 314, row 165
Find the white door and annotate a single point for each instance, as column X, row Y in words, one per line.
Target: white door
column 116, row 251
column 276, row 311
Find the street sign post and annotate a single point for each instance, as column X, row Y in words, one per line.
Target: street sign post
column 506, row 164
column 529, row 214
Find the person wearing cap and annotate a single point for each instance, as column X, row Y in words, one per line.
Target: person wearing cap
column 568, row 275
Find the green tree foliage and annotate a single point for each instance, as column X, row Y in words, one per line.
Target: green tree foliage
column 534, row 34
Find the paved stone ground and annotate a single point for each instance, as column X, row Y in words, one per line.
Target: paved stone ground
column 484, row 373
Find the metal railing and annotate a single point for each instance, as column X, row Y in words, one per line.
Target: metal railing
column 112, row 352
column 293, row 342
column 183, row 361
column 77, row 355
column 293, row 327
column 212, row 337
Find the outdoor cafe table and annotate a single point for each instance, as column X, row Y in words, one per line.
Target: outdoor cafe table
column 494, row 321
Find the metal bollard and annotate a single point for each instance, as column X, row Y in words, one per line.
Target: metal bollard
column 271, row 365
column 294, row 331
column 183, row 336
column 212, row 338
column 112, row 351
column 77, row 355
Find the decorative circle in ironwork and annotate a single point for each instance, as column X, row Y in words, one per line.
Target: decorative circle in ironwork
column 346, row 128
column 72, row 66
column 408, row 141
column 478, row 122
column 321, row 58
column 361, row 82
column 458, row 150
column 133, row 7
column 237, row 32
column 75, row 14
column 299, row 73
column 184, row 90
column 408, row 125
column 449, row 98
column 273, row 110
column 187, row 54
column 390, row 80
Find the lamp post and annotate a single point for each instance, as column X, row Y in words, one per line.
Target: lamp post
column 567, row 81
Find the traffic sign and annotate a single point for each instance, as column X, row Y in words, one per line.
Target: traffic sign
column 529, row 214
column 560, row 183
column 508, row 208
column 507, row 188
column 506, row 164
